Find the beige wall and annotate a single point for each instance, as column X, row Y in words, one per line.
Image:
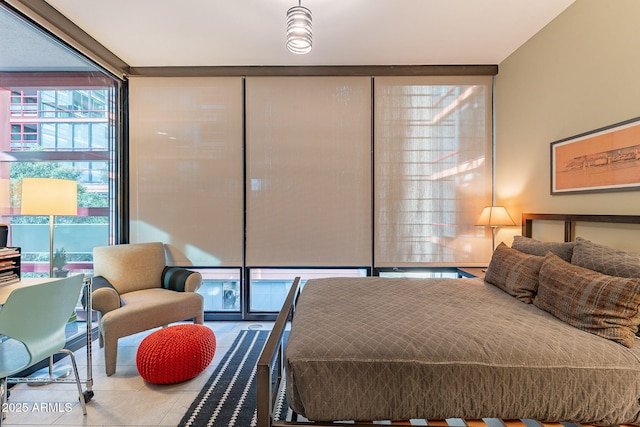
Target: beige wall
column 580, row 73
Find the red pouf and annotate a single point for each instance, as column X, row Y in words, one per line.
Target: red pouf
column 175, row 353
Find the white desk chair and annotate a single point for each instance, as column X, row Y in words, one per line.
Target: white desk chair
column 34, row 319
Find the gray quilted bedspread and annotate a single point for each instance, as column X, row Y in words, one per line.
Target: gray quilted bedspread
column 396, row 349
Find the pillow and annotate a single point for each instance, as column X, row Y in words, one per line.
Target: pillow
column 514, row 272
column 176, row 278
column 604, row 305
column 614, row 262
column 536, row 247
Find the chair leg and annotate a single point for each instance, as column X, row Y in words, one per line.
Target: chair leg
column 78, row 383
column 3, row 398
column 199, row 319
column 51, row 366
column 110, row 355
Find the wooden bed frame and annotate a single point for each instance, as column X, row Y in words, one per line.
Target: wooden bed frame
column 570, row 222
column 270, row 367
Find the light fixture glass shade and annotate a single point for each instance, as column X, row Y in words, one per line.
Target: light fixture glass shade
column 495, row 216
column 299, row 30
column 48, row 196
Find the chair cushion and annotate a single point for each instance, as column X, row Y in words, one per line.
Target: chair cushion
column 149, row 309
column 175, row 353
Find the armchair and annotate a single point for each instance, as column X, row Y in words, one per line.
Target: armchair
column 135, row 290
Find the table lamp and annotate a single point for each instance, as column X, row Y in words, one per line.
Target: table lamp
column 494, row 217
column 49, row 196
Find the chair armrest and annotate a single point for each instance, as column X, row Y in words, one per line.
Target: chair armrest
column 104, row 296
column 181, row 279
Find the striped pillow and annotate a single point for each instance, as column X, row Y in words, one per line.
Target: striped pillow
column 604, row 305
column 514, row 272
column 175, row 278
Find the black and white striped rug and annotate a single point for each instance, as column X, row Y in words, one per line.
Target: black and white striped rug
column 229, row 396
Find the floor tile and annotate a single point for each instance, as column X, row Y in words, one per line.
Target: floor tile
column 123, row 399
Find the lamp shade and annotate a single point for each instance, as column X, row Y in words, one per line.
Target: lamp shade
column 49, row 196
column 299, row 30
column 495, row 216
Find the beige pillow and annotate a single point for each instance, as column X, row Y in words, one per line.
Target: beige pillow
column 514, row 272
column 594, row 302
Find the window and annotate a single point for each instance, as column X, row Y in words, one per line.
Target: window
column 60, row 148
column 308, row 171
column 186, row 166
column 432, row 169
column 261, row 179
column 24, row 136
column 221, row 289
column 269, row 286
column 61, row 117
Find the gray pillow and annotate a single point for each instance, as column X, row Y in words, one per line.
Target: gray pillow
column 536, row 247
column 606, row 260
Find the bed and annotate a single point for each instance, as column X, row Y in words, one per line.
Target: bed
column 517, row 345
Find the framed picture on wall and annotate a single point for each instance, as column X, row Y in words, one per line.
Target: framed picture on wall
column 605, row 159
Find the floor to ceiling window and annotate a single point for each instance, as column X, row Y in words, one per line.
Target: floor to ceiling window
column 186, row 177
column 432, row 170
column 261, row 179
column 58, row 117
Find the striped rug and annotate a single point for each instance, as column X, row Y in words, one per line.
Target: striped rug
column 229, row 396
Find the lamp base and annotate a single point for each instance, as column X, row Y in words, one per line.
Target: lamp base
column 493, row 239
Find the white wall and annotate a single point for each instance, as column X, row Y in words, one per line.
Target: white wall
column 580, row 73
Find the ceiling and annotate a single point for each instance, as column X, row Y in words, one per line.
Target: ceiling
column 149, row 33
column 23, row 48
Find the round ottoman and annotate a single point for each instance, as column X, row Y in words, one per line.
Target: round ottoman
column 175, row 353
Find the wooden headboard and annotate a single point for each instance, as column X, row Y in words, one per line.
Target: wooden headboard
column 570, row 221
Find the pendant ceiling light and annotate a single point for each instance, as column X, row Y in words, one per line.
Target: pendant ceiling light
column 299, row 29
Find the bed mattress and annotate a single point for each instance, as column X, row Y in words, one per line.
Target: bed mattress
column 397, row 349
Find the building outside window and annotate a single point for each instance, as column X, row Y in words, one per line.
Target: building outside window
column 59, row 133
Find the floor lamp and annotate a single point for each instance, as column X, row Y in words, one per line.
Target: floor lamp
column 494, row 217
column 48, row 196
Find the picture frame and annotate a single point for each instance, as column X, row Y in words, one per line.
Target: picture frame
column 601, row 160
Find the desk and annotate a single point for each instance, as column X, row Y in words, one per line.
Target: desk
column 6, row 289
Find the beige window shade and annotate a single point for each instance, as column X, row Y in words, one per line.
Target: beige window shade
column 308, row 171
column 186, row 166
column 432, row 170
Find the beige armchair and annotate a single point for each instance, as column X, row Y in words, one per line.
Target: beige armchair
column 135, row 289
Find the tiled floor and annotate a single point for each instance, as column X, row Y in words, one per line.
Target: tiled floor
column 123, row 399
